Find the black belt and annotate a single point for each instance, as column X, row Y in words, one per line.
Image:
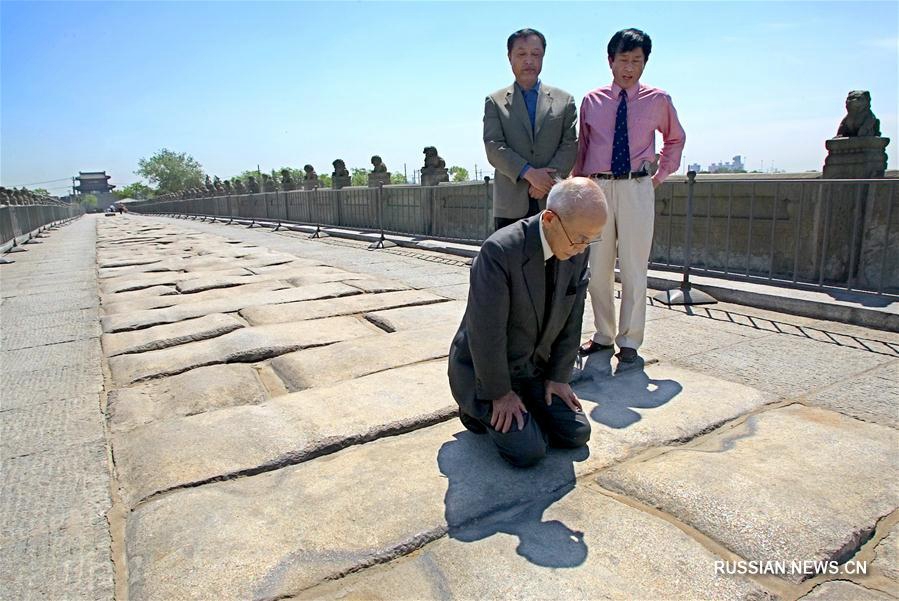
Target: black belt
column 631, row 175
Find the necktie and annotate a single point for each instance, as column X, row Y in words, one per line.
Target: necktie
column 621, row 152
column 550, row 266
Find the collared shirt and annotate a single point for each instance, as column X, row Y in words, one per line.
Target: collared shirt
column 547, row 251
column 530, row 102
column 648, row 110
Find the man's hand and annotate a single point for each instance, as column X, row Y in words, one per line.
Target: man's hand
column 655, row 183
column 505, row 409
column 541, row 180
column 564, row 392
column 534, row 193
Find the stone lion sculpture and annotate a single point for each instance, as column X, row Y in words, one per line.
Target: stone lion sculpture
column 310, row 172
column 378, row 165
column 432, row 159
column 859, row 120
column 340, row 169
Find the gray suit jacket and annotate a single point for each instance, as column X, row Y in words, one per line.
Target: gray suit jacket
column 510, row 143
column 502, row 337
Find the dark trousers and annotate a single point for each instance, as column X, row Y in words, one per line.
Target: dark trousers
column 501, row 222
column 544, row 425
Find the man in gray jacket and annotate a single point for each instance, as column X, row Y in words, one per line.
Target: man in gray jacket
column 529, row 133
column 511, row 359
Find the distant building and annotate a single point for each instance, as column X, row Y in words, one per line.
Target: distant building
column 694, row 167
column 96, row 183
column 735, row 166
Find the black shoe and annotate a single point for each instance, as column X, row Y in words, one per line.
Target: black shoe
column 471, row 424
column 627, row 355
column 590, row 347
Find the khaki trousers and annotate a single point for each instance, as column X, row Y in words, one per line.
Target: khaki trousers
column 627, row 236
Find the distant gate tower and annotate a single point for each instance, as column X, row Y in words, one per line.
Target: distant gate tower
column 96, row 183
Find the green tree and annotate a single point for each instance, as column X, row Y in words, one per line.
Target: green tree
column 135, row 190
column 171, row 171
column 41, row 191
column 88, row 201
column 460, row 174
column 358, row 176
column 398, row 178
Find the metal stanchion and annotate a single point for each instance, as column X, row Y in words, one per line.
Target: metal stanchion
column 685, row 294
column 382, row 242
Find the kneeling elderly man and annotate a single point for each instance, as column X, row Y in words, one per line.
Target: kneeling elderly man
column 511, row 359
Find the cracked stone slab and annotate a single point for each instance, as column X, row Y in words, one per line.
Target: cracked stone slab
column 262, row 536
column 844, row 590
column 196, row 391
column 326, row 365
column 872, row 396
column 243, row 346
column 313, row 274
column 285, row 429
column 348, row 305
column 414, row 318
column 886, row 555
column 168, row 335
column 228, row 304
column 794, row 483
column 195, row 264
column 144, row 281
column 115, row 297
column 582, row 546
column 176, row 300
column 659, row 404
column 373, row 285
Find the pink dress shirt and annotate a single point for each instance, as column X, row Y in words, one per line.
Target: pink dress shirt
column 648, row 109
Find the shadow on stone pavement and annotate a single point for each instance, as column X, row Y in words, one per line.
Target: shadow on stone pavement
column 550, row 543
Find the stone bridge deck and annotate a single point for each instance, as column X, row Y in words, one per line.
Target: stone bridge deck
column 204, row 411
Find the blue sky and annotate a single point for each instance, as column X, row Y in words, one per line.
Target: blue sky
column 98, row 85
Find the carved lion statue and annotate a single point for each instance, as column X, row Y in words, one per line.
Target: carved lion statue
column 859, row 119
column 310, row 172
column 432, row 159
column 340, row 169
column 378, row 164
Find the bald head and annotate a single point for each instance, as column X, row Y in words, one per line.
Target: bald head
column 578, row 198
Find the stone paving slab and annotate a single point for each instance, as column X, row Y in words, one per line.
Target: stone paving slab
column 228, row 304
column 173, row 334
column 886, row 556
column 788, row 369
column 582, row 546
column 24, row 388
column 176, row 300
column 46, row 426
column 287, row 429
column 82, row 353
column 143, row 281
column 347, row 305
column 197, row 264
column 193, row 392
column 243, row 345
column 414, row 318
column 139, row 294
column 315, row 274
column 372, row 285
column 871, row 396
column 795, row 483
column 22, row 338
column 12, row 322
column 326, row 365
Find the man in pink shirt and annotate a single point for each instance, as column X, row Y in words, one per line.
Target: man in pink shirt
column 616, row 146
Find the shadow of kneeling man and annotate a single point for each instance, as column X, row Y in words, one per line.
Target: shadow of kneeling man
column 487, row 496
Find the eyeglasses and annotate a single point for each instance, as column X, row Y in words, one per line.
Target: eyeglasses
column 570, row 241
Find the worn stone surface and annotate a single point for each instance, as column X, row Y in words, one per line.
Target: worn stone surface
column 579, row 545
column 28, row 387
column 195, row 391
column 308, row 274
column 742, row 487
column 228, row 304
column 341, row 306
column 286, row 429
column 262, row 536
column 243, row 345
column 325, row 365
column 843, row 590
column 886, row 556
column 413, row 318
column 144, row 281
column 48, row 425
column 871, row 396
column 164, row 336
column 140, row 294
column 372, row 285
column 175, row 300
